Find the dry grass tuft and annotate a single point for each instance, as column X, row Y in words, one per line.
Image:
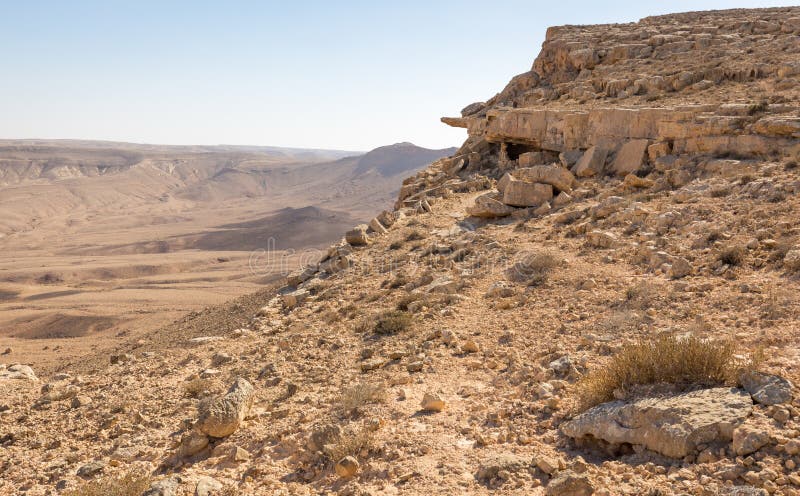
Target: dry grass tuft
column 392, row 322
column 682, row 361
column 532, row 268
column 130, row 484
column 782, row 247
column 364, row 393
column 733, row 254
column 641, row 296
column 351, row 442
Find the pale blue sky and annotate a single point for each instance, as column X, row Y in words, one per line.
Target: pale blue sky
column 349, row 75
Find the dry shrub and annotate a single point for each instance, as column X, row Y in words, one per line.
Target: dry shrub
column 349, row 311
column 641, row 296
column 778, row 304
column 532, row 268
column 732, row 254
column 330, row 316
column 392, row 322
column 373, row 297
column 622, row 321
column 350, row 442
column 757, row 108
column 399, row 281
column 713, row 236
column 396, row 245
column 408, row 299
column 133, row 483
column 359, row 395
column 720, row 191
column 782, row 247
column 681, row 361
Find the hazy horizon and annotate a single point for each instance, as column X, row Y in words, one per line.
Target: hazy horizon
column 308, row 75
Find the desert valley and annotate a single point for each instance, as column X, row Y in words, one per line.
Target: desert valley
column 103, row 241
column 596, row 294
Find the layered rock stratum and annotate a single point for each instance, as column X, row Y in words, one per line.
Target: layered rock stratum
column 641, row 180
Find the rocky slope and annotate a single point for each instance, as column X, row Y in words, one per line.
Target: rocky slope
column 438, row 348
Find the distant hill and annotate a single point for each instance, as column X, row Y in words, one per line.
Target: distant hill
column 400, row 158
column 71, row 186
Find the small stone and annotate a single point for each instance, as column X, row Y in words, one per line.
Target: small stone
column 347, row 467
column 206, row 486
column 747, row 439
column 239, row 454
column 122, row 358
column 220, row 359
column 680, row 267
column 562, row 366
column 548, row 464
column 192, row 442
column 164, row 487
column 415, row 366
column 600, row 239
column 781, row 415
column 432, row 403
column 90, row 470
column 568, row 483
column 470, row 346
column 372, row 364
column 80, row 400
column 449, row 337
column 7, row 351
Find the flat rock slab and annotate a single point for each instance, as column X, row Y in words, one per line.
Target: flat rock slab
column 673, row 425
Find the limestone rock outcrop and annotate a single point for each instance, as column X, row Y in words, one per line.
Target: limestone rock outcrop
column 673, row 426
column 221, row 416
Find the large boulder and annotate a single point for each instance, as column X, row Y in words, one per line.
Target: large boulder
column 673, row 426
column 503, row 182
column 630, row 157
column 301, row 275
column 358, row 235
column 17, row 371
column 525, row 194
column 767, row 389
column 377, row 227
column 487, row 206
column 592, row 162
column 554, row 175
column 221, row 416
